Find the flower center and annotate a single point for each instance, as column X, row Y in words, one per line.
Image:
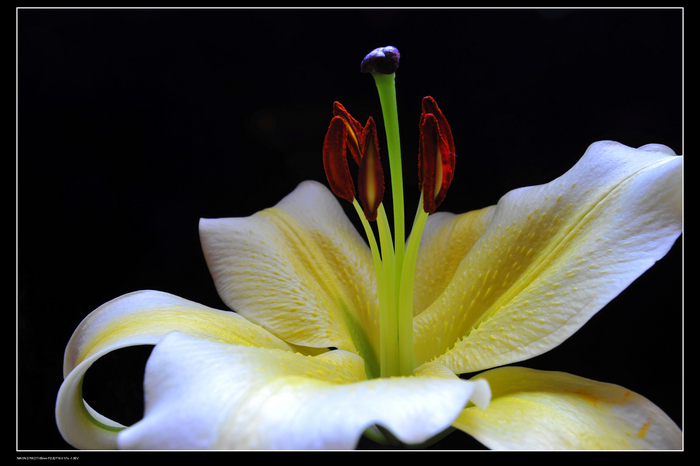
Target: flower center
column 394, row 260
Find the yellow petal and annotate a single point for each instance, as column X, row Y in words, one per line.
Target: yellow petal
column 552, row 256
column 140, row 318
column 300, row 270
column 542, row 410
column 447, row 238
column 206, row 395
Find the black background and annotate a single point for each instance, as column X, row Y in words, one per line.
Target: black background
column 134, row 123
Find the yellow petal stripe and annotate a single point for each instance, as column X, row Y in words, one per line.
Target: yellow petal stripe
column 543, row 410
column 552, row 256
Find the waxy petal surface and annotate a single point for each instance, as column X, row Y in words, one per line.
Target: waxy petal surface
column 300, row 269
column 541, row 410
column 139, row 318
column 202, row 394
column 552, row 256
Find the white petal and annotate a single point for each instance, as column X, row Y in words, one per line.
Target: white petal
column 206, row 395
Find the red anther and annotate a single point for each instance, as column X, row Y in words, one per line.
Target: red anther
column 436, row 160
column 335, row 161
column 354, row 134
column 345, row 131
column 370, row 183
column 430, row 106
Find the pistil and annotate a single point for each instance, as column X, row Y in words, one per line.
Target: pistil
column 382, row 64
column 394, row 259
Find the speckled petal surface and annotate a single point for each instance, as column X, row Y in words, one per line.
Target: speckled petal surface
column 554, row 255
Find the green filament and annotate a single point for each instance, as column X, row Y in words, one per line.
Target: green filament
column 390, row 364
column 384, row 271
column 384, row 346
column 405, row 311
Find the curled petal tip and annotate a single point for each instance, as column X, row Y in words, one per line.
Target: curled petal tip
column 382, row 60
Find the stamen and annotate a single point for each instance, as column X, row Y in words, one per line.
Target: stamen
column 335, row 161
column 406, row 352
column 370, row 182
column 388, row 317
column 354, row 130
column 430, row 106
column 345, row 131
column 436, row 159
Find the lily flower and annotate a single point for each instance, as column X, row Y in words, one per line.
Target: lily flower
column 336, row 335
